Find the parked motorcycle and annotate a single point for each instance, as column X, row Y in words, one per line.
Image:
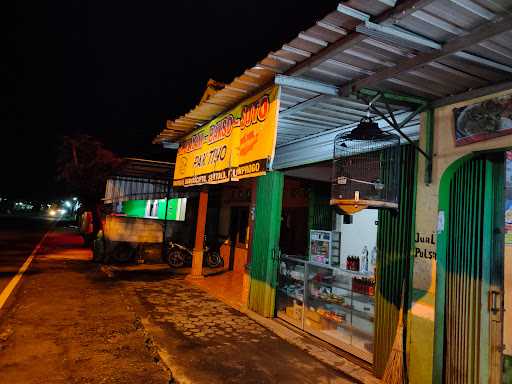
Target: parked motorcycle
column 179, row 255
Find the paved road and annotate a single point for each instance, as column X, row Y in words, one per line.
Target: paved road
column 68, row 324
column 18, row 237
column 71, row 324
column 223, row 345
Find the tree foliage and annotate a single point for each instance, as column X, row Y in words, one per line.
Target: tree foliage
column 85, row 165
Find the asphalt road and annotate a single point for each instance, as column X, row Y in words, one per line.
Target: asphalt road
column 69, row 323
column 19, row 235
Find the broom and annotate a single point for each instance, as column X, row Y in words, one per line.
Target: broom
column 394, row 371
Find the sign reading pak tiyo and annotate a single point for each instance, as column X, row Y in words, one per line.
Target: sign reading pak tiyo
column 236, row 145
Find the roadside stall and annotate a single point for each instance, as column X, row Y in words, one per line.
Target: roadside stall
column 144, row 213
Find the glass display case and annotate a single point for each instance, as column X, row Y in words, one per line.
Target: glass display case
column 339, row 308
column 333, row 304
column 290, row 290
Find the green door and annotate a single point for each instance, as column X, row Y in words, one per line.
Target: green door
column 473, row 285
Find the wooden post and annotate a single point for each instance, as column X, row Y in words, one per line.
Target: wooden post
column 197, row 253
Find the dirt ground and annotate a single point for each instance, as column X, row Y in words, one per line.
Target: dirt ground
column 68, row 323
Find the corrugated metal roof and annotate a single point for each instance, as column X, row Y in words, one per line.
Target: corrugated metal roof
column 426, row 48
column 145, row 169
column 140, row 179
column 314, row 148
column 304, row 113
column 120, row 189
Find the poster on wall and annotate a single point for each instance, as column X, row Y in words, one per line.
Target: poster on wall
column 508, row 199
column 320, row 246
column 483, row 121
column 233, row 146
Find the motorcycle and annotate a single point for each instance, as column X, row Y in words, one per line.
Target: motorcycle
column 179, row 255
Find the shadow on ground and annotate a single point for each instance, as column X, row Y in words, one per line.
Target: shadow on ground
column 123, row 274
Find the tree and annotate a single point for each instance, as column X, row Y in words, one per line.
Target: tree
column 85, row 165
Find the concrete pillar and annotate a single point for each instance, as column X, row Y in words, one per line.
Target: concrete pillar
column 197, row 253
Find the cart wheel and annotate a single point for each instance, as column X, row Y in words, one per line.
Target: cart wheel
column 98, row 251
column 213, row 260
column 122, row 252
column 175, row 258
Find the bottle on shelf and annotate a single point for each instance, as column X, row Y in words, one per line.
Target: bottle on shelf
column 373, row 259
column 371, row 289
column 364, row 259
column 363, row 285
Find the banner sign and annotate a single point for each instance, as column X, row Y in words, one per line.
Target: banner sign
column 483, row 121
column 235, row 145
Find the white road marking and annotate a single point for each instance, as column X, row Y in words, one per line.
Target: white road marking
column 15, row 280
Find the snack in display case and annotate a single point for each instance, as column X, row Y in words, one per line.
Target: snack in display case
column 344, row 303
column 294, row 311
column 331, row 315
column 294, row 291
column 291, row 290
column 326, row 294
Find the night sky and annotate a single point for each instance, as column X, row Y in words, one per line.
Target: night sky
column 117, row 70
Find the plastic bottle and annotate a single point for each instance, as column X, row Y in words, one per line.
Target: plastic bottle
column 364, row 259
column 373, row 259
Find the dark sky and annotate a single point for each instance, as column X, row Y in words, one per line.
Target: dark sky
column 117, row 70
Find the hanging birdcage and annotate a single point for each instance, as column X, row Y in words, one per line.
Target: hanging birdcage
column 366, row 168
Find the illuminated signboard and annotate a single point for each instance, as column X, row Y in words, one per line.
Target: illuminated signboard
column 235, row 145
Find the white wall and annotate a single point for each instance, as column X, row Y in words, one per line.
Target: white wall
column 362, row 231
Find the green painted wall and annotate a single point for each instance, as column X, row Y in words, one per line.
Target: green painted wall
column 320, row 213
column 265, row 245
column 395, row 239
column 507, row 369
